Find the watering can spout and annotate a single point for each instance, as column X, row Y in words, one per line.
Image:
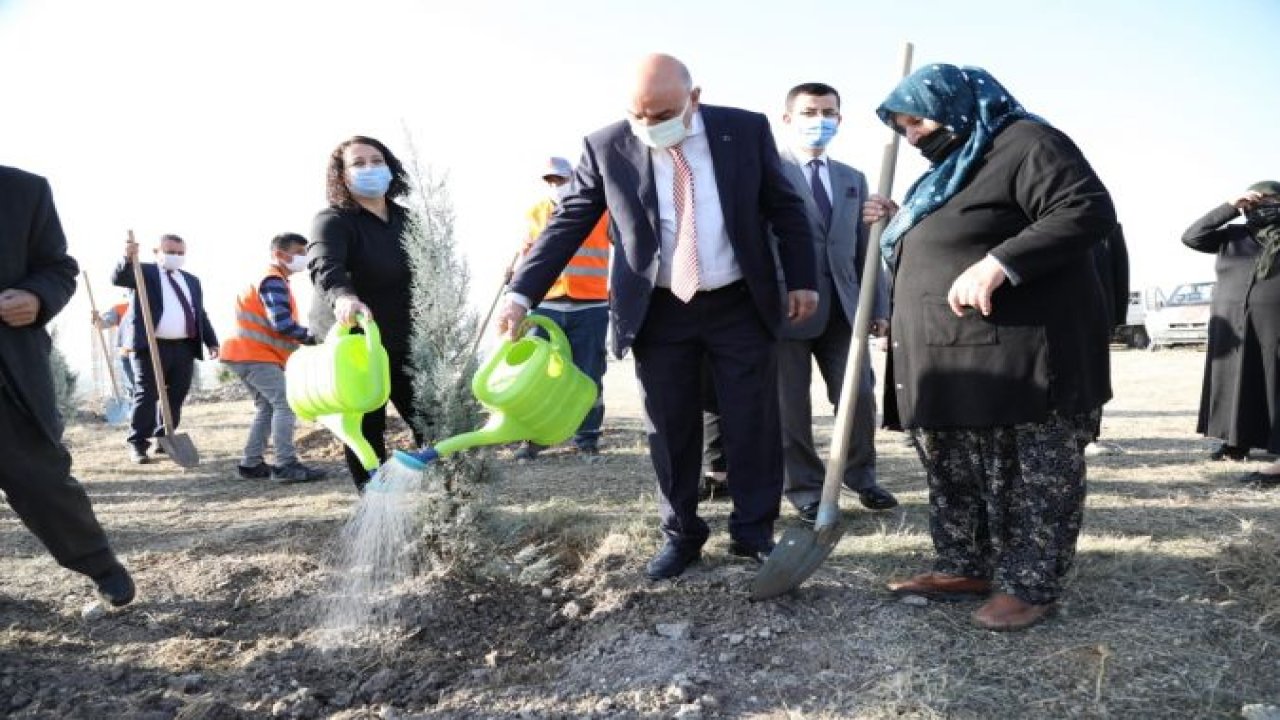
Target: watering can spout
column 500, row 430
column 346, row 426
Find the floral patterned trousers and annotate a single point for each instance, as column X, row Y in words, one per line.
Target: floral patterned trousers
column 1006, row 503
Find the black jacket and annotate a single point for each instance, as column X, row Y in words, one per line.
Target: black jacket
column 1037, row 207
column 33, row 257
column 1240, row 399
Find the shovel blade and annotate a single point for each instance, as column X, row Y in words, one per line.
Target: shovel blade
column 180, row 449
column 117, row 411
column 796, row 556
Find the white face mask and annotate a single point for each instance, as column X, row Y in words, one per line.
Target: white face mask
column 297, row 263
column 170, row 261
column 663, row 135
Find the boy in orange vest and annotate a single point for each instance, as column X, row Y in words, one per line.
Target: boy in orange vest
column 578, row 303
column 267, row 332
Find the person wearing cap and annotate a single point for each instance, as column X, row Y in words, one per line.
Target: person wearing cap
column 578, row 302
column 1240, row 399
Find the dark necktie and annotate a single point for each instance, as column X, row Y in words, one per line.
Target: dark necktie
column 820, row 192
column 187, row 312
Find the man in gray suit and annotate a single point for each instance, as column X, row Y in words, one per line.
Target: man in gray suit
column 833, row 193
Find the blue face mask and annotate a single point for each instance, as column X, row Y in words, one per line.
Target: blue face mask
column 370, row 182
column 815, row 132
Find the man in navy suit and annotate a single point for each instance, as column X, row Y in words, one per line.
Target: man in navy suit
column 182, row 332
column 693, row 191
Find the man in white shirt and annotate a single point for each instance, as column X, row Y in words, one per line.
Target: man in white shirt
column 693, row 191
column 182, row 330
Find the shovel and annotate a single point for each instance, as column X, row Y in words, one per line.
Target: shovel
column 801, row 549
column 116, row 407
column 176, row 445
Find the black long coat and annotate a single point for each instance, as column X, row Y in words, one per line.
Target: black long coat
column 33, row 257
column 1035, row 205
column 1240, row 399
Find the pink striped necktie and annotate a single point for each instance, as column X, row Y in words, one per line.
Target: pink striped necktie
column 684, row 267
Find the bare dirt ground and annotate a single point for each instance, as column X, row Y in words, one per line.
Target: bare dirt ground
column 1172, row 611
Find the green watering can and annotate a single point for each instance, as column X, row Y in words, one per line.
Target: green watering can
column 532, row 390
column 338, row 381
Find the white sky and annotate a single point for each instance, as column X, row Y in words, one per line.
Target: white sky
column 214, row 120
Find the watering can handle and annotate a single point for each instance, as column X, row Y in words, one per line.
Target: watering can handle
column 558, row 339
column 373, row 338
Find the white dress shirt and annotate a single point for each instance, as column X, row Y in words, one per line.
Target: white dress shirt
column 172, row 323
column 717, row 265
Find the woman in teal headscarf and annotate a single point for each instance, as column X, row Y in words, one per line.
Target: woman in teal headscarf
column 998, row 364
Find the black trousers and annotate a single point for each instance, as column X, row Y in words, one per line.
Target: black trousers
column 37, row 483
column 722, row 327
column 374, row 424
column 178, row 359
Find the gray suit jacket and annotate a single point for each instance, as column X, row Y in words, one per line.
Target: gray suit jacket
column 839, row 250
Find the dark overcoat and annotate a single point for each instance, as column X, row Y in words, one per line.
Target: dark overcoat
column 33, row 257
column 1240, row 398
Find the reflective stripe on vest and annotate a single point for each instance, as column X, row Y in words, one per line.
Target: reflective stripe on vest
column 586, row 277
column 254, row 339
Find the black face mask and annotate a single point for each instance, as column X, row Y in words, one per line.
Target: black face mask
column 937, row 145
column 1263, row 215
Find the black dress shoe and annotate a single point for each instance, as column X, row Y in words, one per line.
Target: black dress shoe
column 809, row 513
column 1230, row 452
column 671, row 560
column 115, row 586
column 877, row 498
column 751, row 552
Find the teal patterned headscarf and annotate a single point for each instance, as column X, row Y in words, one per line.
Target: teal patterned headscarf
column 965, row 100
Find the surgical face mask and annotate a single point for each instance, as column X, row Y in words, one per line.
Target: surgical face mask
column 815, row 131
column 370, row 182
column 666, row 134
column 297, row 263
column 170, row 261
column 557, row 192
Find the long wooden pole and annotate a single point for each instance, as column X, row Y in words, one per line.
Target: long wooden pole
column 102, row 340
column 828, row 520
column 162, row 387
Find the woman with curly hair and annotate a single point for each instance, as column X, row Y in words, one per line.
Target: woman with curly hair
column 359, row 264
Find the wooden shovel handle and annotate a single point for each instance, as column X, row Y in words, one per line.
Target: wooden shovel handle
column 102, row 340
column 162, row 387
column 856, row 365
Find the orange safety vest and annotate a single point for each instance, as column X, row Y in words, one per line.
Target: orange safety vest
column 586, row 277
column 254, row 339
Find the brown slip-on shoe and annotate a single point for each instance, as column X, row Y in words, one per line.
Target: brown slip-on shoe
column 942, row 586
column 1005, row 613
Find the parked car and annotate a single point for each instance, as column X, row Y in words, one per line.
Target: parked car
column 1133, row 333
column 1182, row 318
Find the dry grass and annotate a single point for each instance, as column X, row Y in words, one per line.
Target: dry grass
column 1171, row 611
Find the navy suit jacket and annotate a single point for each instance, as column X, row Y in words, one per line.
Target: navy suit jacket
column 616, row 173
column 137, row 339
